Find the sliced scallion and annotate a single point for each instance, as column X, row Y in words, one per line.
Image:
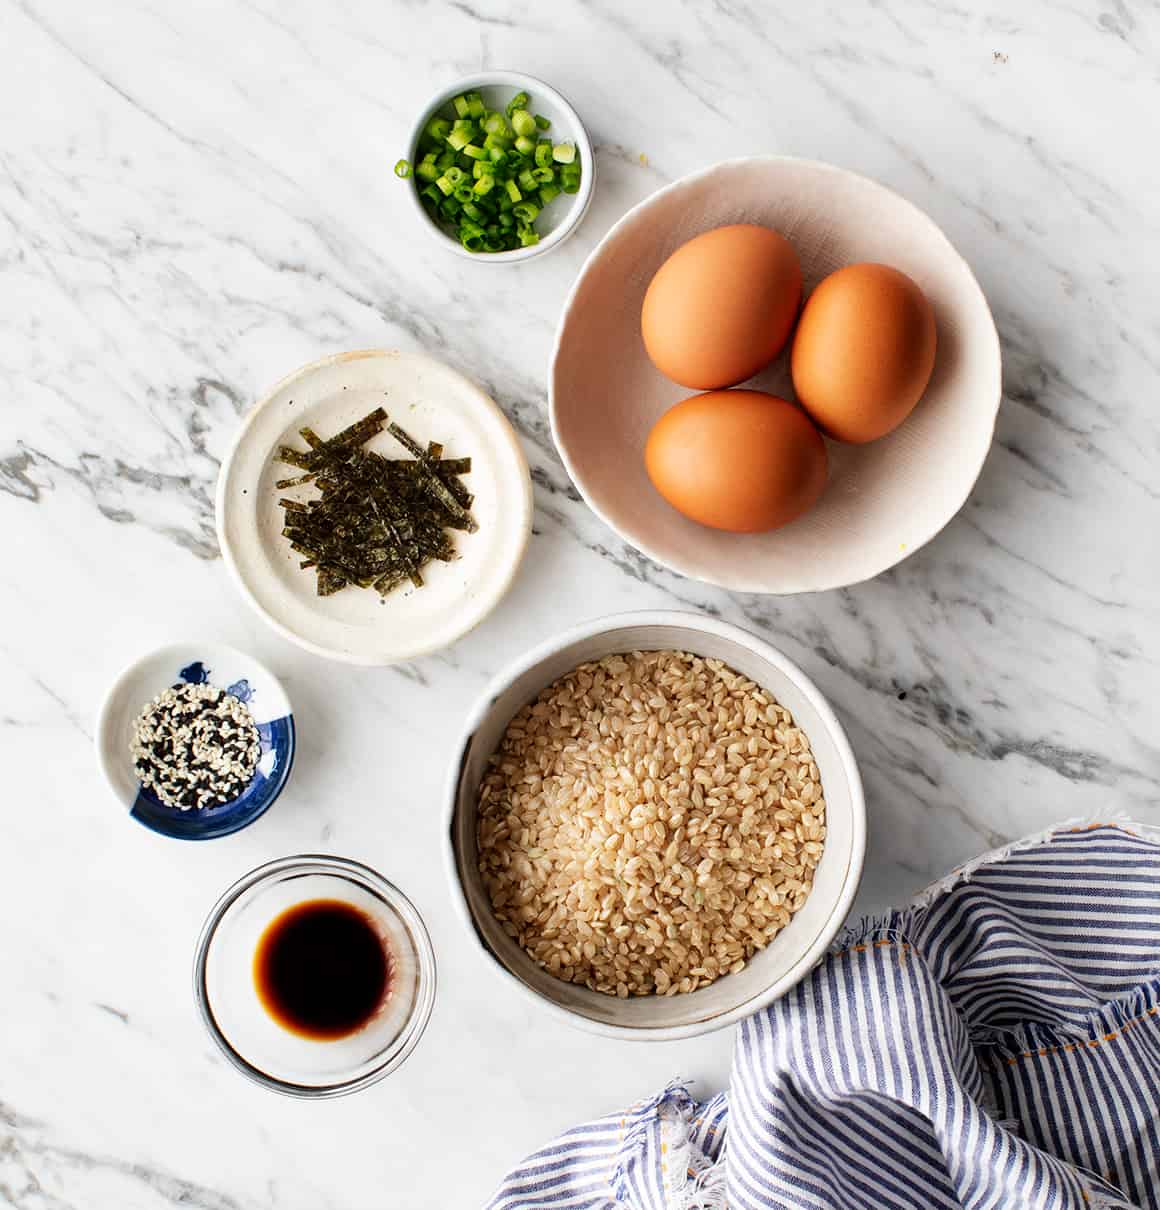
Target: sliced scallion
column 487, row 175
column 523, row 122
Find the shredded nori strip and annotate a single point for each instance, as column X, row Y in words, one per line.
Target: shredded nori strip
column 376, row 522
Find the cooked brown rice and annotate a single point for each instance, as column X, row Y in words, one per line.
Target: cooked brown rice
column 649, row 822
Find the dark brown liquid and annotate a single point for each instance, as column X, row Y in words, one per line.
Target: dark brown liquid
column 322, row 969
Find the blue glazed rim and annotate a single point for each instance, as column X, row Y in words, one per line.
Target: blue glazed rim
column 209, row 823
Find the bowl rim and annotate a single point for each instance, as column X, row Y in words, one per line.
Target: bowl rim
column 521, row 82
column 103, row 746
column 739, row 582
column 484, row 606
column 687, row 620
column 339, row 867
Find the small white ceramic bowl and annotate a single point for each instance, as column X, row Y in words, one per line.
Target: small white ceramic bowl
column 791, row 954
column 433, row 403
column 558, row 220
column 883, row 500
column 196, row 663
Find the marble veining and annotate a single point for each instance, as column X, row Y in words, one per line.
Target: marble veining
column 196, row 199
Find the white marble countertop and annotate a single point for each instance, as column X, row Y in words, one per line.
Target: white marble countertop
column 196, row 198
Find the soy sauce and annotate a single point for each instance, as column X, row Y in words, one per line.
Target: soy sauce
column 322, row 970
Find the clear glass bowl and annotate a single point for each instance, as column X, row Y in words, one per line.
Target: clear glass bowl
column 251, row 1039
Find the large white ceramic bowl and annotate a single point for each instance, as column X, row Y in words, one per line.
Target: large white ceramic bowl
column 791, row 954
column 883, row 500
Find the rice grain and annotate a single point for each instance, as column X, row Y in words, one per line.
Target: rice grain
column 648, row 823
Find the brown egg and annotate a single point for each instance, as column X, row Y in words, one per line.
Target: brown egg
column 863, row 352
column 738, row 460
column 722, row 306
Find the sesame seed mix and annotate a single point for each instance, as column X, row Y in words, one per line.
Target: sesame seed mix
column 195, row 746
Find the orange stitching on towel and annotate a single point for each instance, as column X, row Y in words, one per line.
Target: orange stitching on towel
column 903, row 948
column 1091, row 1043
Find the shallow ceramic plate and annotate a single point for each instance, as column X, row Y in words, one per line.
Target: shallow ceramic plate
column 198, row 664
column 883, row 500
column 433, row 403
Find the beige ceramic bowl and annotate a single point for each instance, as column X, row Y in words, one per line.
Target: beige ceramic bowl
column 791, row 954
column 884, row 500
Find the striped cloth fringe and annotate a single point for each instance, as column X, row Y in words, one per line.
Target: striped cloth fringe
column 994, row 1046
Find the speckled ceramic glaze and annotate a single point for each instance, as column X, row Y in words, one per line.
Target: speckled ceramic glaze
column 771, row 971
column 433, row 403
column 883, row 500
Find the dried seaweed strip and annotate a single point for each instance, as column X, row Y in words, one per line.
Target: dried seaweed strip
column 375, row 522
column 285, row 484
column 330, row 580
column 293, row 457
column 435, row 485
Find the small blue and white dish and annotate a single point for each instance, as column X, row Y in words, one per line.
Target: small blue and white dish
column 198, row 664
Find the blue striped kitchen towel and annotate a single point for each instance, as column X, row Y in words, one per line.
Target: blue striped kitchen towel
column 993, row 1046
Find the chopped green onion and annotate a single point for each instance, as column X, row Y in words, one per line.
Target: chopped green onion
column 523, row 122
column 468, row 150
column 543, row 154
column 438, row 129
